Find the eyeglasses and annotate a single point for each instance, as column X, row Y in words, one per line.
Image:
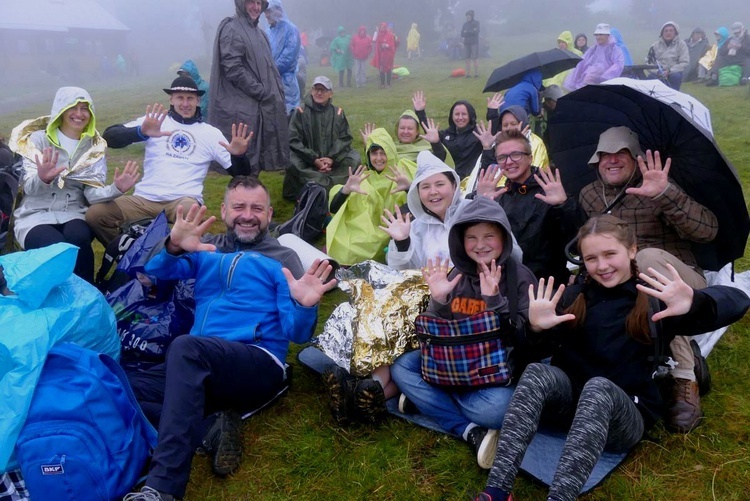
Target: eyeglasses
column 515, row 156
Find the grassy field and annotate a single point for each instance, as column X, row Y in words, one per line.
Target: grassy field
column 294, row 451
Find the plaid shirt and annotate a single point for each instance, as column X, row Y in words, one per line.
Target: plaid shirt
column 13, row 487
column 670, row 221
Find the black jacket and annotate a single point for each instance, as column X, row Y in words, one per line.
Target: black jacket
column 602, row 347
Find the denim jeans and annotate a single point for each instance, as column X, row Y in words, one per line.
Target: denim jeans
column 454, row 410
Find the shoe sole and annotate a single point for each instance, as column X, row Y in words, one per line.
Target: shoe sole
column 371, row 405
column 228, row 455
column 336, row 396
column 487, row 449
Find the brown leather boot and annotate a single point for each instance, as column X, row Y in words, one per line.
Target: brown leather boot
column 685, row 406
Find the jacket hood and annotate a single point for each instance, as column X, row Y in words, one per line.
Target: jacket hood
column 429, row 165
column 414, row 26
column 534, row 77
column 277, row 6
column 672, row 24
column 585, row 37
column 190, row 67
column 409, row 114
column 65, row 98
column 380, row 137
column 478, row 210
column 472, row 116
column 723, row 33
column 362, row 30
column 239, row 6
column 616, row 33
column 567, row 37
column 698, row 30
column 518, row 112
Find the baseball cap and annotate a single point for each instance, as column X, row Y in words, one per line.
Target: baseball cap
column 324, row 81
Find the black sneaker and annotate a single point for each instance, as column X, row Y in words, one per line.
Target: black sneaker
column 406, row 406
column 484, row 443
column 369, row 401
column 340, row 387
column 223, row 442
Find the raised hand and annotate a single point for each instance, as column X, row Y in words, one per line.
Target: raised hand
column 396, row 224
column 655, row 177
column 419, row 101
column 543, row 304
column 399, row 177
column 431, row 133
column 308, row 290
column 240, row 140
column 155, row 117
column 354, row 181
column 369, row 127
column 496, row 101
column 47, row 168
column 436, row 276
column 551, row 184
column 128, row 177
column 483, row 132
column 187, row 231
column 675, row 293
column 487, row 183
column 489, row 278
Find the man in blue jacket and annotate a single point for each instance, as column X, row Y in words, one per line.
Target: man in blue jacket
column 285, row 46
column 249, row 306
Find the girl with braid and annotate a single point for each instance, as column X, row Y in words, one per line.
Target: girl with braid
column 599, row 383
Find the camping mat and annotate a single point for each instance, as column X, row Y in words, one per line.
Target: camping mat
column 541, row 457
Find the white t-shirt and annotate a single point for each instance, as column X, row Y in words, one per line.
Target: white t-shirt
column 175, row 166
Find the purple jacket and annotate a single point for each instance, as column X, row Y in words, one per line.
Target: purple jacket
column 600, row 63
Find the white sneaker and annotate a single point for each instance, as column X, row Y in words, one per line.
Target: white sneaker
column 487, row 449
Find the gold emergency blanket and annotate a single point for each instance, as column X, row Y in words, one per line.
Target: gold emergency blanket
column 377, row 325
column 83, row 170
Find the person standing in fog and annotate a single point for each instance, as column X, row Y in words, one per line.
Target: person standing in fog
column 246, row 87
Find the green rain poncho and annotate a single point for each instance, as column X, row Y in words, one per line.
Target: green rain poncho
column 341, row 54
column 353, row 235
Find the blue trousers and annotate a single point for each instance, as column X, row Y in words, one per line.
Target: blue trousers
column 201, row 375
column 454, row 410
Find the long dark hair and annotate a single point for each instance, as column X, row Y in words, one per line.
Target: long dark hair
column 636, row 323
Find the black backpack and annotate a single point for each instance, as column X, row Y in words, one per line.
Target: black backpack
column 310, row 214
column 114, row 252
column 10, row 180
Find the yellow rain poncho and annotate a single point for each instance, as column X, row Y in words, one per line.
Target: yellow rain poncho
column 567, row 37
column 412, row 39
column 353, row 235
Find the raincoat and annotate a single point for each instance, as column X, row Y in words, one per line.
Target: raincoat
column 696, row 50
column 50, row 305
column 190, row 68
column 526, row 93
column 412, row 39
column 246, row 87
column 317, row 131
column 428, row 237
column 409, row 151
column 353, row 235
column 567, row 37
column 285, row 46
column 585, row 47
column 624, row 48
column 385, row 49
column 64, row 199
column 600, row 63
column 341, row 54
column 673, row 56
column 707, row 61
column 361, row 44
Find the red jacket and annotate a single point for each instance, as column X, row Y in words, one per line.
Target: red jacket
column 361, row 44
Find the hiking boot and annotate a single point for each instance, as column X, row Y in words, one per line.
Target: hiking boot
column 406, row 406
column 685, row 406
column 223, row 442
column 369, row 401
column 702, row 374
column 340, row 387
column 484, row 443
column 148, row 494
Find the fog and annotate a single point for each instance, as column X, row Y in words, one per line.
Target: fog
column 158, row 35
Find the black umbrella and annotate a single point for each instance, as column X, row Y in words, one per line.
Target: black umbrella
column 549, row 62
column 698, row 166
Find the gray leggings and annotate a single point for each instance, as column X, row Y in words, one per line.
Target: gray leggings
column 605, row 417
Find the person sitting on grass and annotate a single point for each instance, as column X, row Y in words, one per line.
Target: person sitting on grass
column 321, row 142
column 503, row 118
column 353, row 236
column 410, row 142
column 249, row 307
column 480, row 248
column 600, row 382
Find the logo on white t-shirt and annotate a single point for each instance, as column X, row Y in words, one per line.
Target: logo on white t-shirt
column 181, row 142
